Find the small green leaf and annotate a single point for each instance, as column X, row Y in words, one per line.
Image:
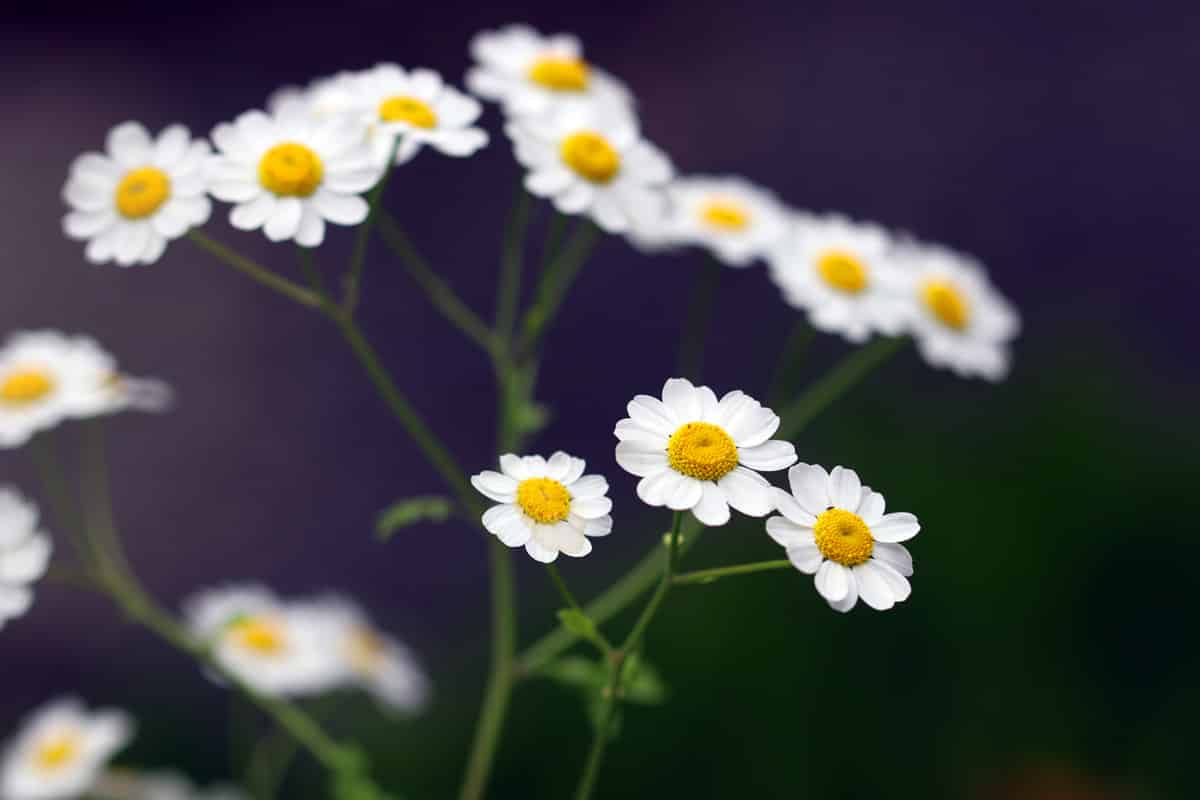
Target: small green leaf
column 577, row 672
column 402, row 514
column 642, row 683
column 578, row 623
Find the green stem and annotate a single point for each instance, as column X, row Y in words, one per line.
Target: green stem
column 554, row 236
column 255, row 271
column 511, row 263
column 710, row 575
column 664, row 586
column 695, row 324
column 787, row 372
column 359, row 255
column 312, row 272
column 556, row 281
column 62, row 505
column 561, row 585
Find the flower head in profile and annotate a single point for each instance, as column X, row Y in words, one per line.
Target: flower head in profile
column 129, row 201
column 291, row 172
column 842, row 273
column 60, row 750
column 548, row 506
column 593, row 161
column 696, row 453
column 835, row 528
column 24, row 553
column 532, row 74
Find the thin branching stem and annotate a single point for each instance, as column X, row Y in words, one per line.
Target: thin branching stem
column 710, row 575
column 255, row 271
column 358, row 257
column 513, row 260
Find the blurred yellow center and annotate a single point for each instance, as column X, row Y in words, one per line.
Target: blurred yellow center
column 544, row 500
column 290, row 170
column 407, row 109
column 842, row 271
column 843, row 537
column 25, row 386
column 365, row 650
column 702, row 451
column 590, row 155
column 946, row 302
column 261, row 636
column 56, row 752
column 560, row 74
column 725, row 216
column 142, row 191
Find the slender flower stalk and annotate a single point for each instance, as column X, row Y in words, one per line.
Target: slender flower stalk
column 556, row 281
column 511, row 263
column 255, row 271
column 710, row 575
column 363, row 235
column 700, row 306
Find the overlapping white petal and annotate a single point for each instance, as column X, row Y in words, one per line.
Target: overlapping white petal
column 24, row 553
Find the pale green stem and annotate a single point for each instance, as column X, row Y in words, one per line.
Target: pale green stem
column 710, row 575
column 556, row 281
column 58, row 496
column 255, row 271
column 695, row 324
column 554, row 236
column 358, row 257
column 511, row 263
column 557, row 578
column 312, row 272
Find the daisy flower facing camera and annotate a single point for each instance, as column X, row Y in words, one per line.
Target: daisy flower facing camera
column 61, row 750
column 128, row 202
column 835, row 528
column 547, row 506
column 694, row 452
column 24, row 553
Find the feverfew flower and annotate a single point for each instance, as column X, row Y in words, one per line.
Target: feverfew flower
column 547, row 506
column 958, row 318
column 834, row 528
column 24, row 553
column 323, row 98
column 532, row 74
column 129, row 202
column 590, row 160
column 60, row 750
column 694, row 452
column 843, row 273
column 291, row 172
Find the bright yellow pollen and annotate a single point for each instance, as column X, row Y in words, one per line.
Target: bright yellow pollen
column 947, row 303
column 142, row 191
column 590, row 155
column 56, row 752
column 726, row 216
column 365, row 650
column 263, row 636
column 702, row 451
column 401, row 108
column 842, row 271
column 843, row 537
column 544, row 500
column 290, row 170
column 560, row 74
column 25, row 386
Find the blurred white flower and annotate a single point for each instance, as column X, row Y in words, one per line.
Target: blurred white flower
column 127, row 784
column 24, row 553
column 694, row 452
column 547, row 506
column 129, row 202
column 323, row 98
column 835, row 528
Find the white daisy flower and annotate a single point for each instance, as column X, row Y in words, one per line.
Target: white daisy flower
column 736, row 220
column 694, row 452
column 290, row 173
column 24, row 553
column 47, row 377
column 548, row 506
column 532, row 74
column 61, row 750
column 843, row 273
column 129, row 202
column 275, row 648
column 323, row 98
column 959, row 320
column 588, row 160
column 834, row 528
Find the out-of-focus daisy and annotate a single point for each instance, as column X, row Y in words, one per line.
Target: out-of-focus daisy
column 694, row 452
column 835, row 528
column 958, row 318
column 736, row 220
column 548, row 506
column 589, row 160
column 129, row 202
column 532, row 74
column 325, row 97
column 843, row 273
column 24, row 553
column 127, row 784
column 275, row 648
column 60, row 750
column 290, row 173
column 47, row 376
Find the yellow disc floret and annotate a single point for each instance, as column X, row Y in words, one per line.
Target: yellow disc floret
column 140, row 193
column 843, row 537
column 843, row 271
column 264, row 637
column 290, row 170
column 25, row 386
column 401, row 108
column 591, row 156
column 544, row 500
column 560, row 74
column 702, row 451
column 947, row 303
column 56, row 752
column 724, row 216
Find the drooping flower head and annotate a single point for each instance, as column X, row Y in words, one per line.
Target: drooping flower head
column 548, row 506
column 695, row 452
column 24, row 553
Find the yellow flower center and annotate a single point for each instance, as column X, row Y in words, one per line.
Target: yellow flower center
column 401, row 108
column 262, row 636
column 725, row 216
column 25, row 386
column 544, row 500
column 843, row 537
column 142, row 191
column 560, row 74
column 947, row 303
column 702, row 451
column 290, row 170
column 590, row 155
column 365, row 650
column 842, row 271
column 56, row 752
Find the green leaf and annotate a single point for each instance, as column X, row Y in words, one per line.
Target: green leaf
column 642, row 683
column 578, row 623
column 577, row 672
column 402, row 514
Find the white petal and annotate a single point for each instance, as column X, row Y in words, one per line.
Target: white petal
column 851, row 599
column 27, row 562
column 897, row 583
column 748, row 492
column 899, row 526
column 810, row 487
column 685, row 494
column 873, row 587
column 86, row 224
column 171, row 146
column 895, row 556
column 540, row 552
column 601, row 526
column 284, row 220
column 312, row 227
column 591, row 507
column 805, row 557
column 788, row 533
column 652, row 414
column 501, row 488
column 871, row 507
column 833, row 581
column 629, row 431
column 575, row 471
column 130, row 145
column 713, row 509
column 680, row 397
column 588, row 486
column 341, row 209
column 845, row 489
column 656, row 488
column 637, row 460
column 14, row 601
column 512, row 466
column 254, row 213
column 171, row 221
column 771, row 455
column 788, row 506
column 557, row 465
